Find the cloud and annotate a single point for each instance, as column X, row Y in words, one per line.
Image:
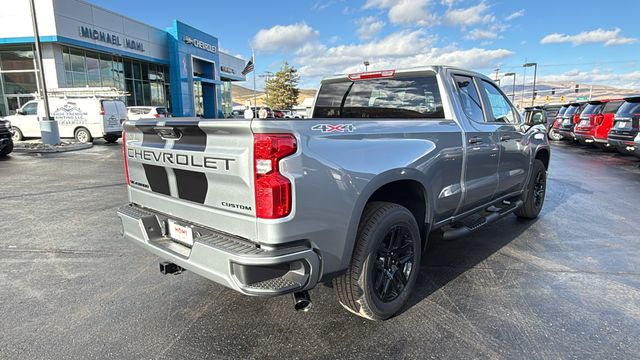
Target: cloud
column 283, row 37
column 369, row 27
column 515, row 15
column 412, row 12
column 464, row 17
column 477, row 34
column 606, row 37
column 402, row 49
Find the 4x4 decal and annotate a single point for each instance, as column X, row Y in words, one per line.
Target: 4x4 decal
column 328, row 128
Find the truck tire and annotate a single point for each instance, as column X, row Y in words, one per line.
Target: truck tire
column 536, row 190
column 111, row 139
column 7, row 149
column 17, row 134
column 83, row 135
column 385, row 262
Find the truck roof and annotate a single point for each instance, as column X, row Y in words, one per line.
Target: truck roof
column 429, row 68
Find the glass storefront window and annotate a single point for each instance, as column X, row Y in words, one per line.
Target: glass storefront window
column 227, row 103
column 137, row 71
column 93, row 70
column 16, row 57
column 19, row 82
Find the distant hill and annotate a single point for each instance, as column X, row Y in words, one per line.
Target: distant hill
column 240, row 94
column 566, row 89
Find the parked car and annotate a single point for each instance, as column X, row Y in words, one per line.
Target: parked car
column 570, row 119
column 350, row 196
column 636, row 150
column 278, row 114
column 147, row 112
column 6, row 142
column 625, row 125
column 544, row 115
column 595, row 122
column 290, row 114
column 554, row 131
column 84, row 119
column 256, row 113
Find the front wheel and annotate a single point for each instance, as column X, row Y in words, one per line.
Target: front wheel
column 7, row 149
column 536, row 191
column 17, row 134
column 385, row 263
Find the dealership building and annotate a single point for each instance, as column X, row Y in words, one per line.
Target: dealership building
column 84, row 45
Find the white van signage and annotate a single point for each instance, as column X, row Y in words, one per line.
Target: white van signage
column 70, row 114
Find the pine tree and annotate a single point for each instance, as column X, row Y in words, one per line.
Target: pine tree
column 282, row 89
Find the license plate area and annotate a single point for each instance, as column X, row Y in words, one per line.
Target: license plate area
column 622, row 124
column 180, row 232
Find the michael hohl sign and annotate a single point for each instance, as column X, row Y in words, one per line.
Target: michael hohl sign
column 109, row 38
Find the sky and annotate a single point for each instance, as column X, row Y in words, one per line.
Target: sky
column 572, row 41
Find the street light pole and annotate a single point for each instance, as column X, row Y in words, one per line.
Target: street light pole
column 366, row 65
column 48, row 125
column 535, row 73
column 513, row 91
column 524, row 76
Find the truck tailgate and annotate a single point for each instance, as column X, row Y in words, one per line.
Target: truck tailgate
column 195, row 170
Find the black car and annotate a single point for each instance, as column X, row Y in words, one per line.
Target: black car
column 570, row 119
column 625, row 125
column 6, row 144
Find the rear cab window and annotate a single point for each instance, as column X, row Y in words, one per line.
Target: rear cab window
column 403, row 96
column 161, row 111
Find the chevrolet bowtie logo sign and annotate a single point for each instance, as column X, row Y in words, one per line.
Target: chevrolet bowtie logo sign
column 200, row 44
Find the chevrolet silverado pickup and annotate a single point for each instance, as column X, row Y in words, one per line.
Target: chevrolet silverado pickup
column 347, row 197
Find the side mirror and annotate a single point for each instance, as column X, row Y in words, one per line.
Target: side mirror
column 20, row 112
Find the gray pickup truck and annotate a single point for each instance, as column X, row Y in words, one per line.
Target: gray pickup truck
column 348, row 197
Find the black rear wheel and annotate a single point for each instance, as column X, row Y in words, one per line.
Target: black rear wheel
column 385, row 262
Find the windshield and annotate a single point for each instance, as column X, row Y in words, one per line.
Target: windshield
column 629, row 108
column 591, row 109
column 398, row 97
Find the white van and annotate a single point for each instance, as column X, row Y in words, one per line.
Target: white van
column 84, row 119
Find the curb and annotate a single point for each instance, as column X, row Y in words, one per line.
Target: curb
column 50, row 149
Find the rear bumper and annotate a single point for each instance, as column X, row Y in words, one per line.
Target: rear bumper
column 227, row 260
column 587, row 138
column 567, row 134
column 624, row 146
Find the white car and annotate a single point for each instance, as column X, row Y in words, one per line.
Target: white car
column 84, row 119
column 288, row 114
column 147, row 112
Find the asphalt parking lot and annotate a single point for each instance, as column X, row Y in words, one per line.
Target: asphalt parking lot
column 564, row 286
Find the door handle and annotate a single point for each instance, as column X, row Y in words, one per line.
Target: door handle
column 475, row 140
column 505, row 138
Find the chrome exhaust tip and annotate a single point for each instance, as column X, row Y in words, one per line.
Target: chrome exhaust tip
column 302, row 301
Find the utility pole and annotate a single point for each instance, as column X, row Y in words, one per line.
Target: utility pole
column 497, row 71
column 267, row 75
column 48, row 125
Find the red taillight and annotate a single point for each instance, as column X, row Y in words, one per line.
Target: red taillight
column 157, row 116
column 101, row 110
column 372, row 75
column 597, row 120
column 124, row 154
column 272, row 189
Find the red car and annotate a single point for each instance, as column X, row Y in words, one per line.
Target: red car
column 595, row 122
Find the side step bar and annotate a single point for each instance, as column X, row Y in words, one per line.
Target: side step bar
column 493, row 216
